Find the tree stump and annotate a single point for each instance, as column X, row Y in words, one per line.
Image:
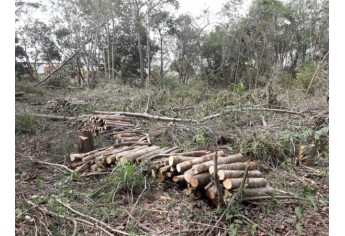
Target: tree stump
column 85, row 141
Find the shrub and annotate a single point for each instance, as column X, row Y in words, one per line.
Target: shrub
column 26, row 124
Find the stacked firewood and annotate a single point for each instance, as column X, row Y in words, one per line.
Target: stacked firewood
column 196, row 170
column 108, row 125
column 100, row 159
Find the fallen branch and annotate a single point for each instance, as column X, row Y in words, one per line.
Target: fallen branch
column 53, row 117
column 53, row 164
column 88, row 223
column 93, row 219
column 143, row 115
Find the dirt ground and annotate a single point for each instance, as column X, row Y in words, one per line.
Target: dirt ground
column 158, row 209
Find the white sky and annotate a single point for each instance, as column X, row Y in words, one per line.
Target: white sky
column 196, row 6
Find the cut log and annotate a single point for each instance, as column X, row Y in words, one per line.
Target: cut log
column 116, row 156
column 85, row 143
column 188, row 175
column 200, row 179
column 233, row 166
column 227, row 193
column 131, row 157
column 250, row 183
column 178, row 178
column 181, row 167
column 197, row 153
column 256, row 192
column 174, row 160
column 226, row 174
column 83, row 167
column 94, row 155
column 163, row 170
column 79, row 156
column 204, row 167
column 146, row 156
column 211, row 192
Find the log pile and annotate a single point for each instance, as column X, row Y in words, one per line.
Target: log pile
column 100, row 159
column 196, row 171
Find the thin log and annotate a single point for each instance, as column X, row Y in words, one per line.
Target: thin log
column 92, row 156
column 200, row 180
column 233, row 166
column 143, row 115
column 250, row 183
column 197, row 153
column 178, row 178
column 203, row 167
column 211, row 192
column 79, row 156
column 163, row 170
column 174, row 160
column 116, row 156
column 146, row 156
column 257, row 192
column 188, row 164
column 82, row 168
column 131, row 157
column 225, row 174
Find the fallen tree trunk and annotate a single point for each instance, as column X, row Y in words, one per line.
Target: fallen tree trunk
column 250, row 183
column 256, row 192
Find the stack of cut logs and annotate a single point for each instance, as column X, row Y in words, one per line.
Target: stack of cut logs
column 99, row 159
column 197, row 170
column 109, row 125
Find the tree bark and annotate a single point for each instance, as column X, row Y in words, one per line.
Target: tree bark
column 200, row 180
column 188, row 164
column 225, row 174
column 233, row 166
column 203, row 167
column 250, row 183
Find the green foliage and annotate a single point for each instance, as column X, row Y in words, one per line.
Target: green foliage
column 124, row 178
column 170, row 83
column 26, row 124
column 305, row 75
column 201, row 139
column 239, row 87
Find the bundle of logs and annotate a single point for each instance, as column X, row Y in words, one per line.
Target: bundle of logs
column 100, row 159
column 109, row 125
column 196, row 171
column 62, row 104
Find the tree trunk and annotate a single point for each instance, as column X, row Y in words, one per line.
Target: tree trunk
column 85, row 142
column 161, row 69
column 148, row 52
column 141, row 60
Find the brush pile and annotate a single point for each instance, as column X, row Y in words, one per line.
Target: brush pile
column 57, row 105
